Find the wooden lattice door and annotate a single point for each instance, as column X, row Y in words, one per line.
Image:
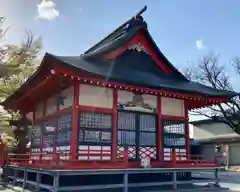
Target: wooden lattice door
column 137, row 131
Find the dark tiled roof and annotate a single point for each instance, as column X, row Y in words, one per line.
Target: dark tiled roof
column 114, row 71
column 122, row 35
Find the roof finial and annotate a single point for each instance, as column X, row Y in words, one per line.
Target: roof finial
column 141, row 12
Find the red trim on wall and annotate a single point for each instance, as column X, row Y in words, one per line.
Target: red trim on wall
column 42, row 126
column 55, row 131
column 160, row 131
column 58, row 113
column 171, row 117
column 94, row 109
column 188, row 144
column 114, row 136
column 203, row 101
column 74, row 144
column 140, row 38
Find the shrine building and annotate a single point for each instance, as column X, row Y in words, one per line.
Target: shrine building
column 122, row 93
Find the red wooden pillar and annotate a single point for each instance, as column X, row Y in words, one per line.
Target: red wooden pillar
column 56, row 131
column 42, row 129
column 188, row 144
column 114, row 133
column 74, row 143
column 174, row 158
column 159, row 130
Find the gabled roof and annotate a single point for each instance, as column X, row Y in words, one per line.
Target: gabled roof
column 135, row 65
column 130, row 56
column 124, row 73
column 122, row 35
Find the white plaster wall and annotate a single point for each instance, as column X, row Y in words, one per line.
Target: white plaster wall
column 68, row 95
column 95, row 96
column 174, row 107
column 51, row 106
column 210, row 130
column 39, row 110
column 29, row 116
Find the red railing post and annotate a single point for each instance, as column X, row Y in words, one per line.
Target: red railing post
column 125, row 155
column 174, row 158
column 57, row 155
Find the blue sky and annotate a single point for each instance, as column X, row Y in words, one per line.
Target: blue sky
column 175, row 25
column 184, row 30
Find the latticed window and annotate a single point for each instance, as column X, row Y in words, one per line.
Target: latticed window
column 95, row 128
column 126, row 128
column 36, row 136
column 147, row 125
column 174, row 137
column 95, row 120
column 174, row 140
column 176, row 127
column 49, row 132
column 174, row 133
column 64, row 132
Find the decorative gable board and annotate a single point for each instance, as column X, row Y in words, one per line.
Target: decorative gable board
column 51, row 106
column 68, row 95
column 173, row 107
column 95, row 96
column 39, row 110
column 137, row 102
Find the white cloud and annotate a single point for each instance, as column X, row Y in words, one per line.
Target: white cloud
column 200, row 45
column 47, row 10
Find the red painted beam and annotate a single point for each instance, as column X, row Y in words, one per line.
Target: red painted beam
column 101, row 82
column 171, row 117
column 74, row 144
column 114, row 136
column 188, row 143
column 94, row 109
column 58, row 113
column 160, row 131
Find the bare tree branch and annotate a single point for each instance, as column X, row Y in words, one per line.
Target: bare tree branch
column 210, row 72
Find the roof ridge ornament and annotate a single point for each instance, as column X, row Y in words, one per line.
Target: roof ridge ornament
column 137, row 18
column 140, row 12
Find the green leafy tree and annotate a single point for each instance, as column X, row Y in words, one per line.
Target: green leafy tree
column 17, row 63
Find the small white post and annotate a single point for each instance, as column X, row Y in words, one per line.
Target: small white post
column 56, row 182
column 125, row 184
column 38, row 181
column 25, row 179
column 174, row 180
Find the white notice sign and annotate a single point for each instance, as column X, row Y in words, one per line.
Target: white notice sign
column 145, row 162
